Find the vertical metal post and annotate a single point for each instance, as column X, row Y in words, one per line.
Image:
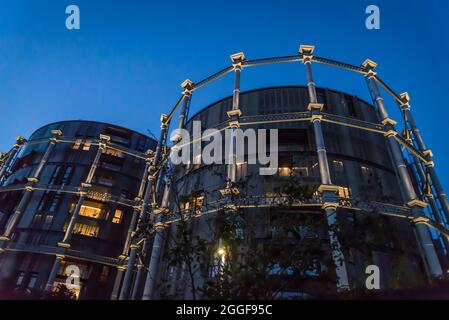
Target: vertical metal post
column 441, row 194
column 133, row 223
column 144, row 214
column 11, row 155
column 139, row 274
column 430, row 198
column 411, row 199
column 153, row 266
column 29, row 188
column 53, row 273
column 187, row 94
column 126, row 286
column 327, row 190
column 187, row 86
column 132, row 228
column 234, row 115
column 118, row 281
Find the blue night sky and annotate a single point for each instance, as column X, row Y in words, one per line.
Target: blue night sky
column 126, row 63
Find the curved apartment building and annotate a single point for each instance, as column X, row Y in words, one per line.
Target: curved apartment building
column 363, row 176
column 81, row 174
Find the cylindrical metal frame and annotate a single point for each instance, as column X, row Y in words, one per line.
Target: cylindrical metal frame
column 412, row 209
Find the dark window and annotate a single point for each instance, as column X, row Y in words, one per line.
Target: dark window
column 141, row 144
column 293, row 137
column 320, row 97
column 107, row 181
column 351, row 107
column 55, row 175
column 285, row 161
column 48, row 221
column 111, row 166
column 104, row 273
column 338, row 165
column 66, row 176
column 43, row 201
column 118, row 135
column 54, row 203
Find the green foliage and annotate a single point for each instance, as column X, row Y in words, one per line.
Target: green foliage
column 263, row 268
column 295, row 257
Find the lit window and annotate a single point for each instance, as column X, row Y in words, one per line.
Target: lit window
column 87, row 145
column 113, row 152
column 344, row 192
column 86, row 230
column 195, row 202
column 199, row 201
column 77, row 144
column 100, row 196
column 118, row 214
column 284, row 172
column 90, row 212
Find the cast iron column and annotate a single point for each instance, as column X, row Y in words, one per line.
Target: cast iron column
column 234, row 115
column 327, row 189
column 153, row 266
column 411, row 199
column 133, row 223
column 441, row 194
column 144, row 214
column 11, row 155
